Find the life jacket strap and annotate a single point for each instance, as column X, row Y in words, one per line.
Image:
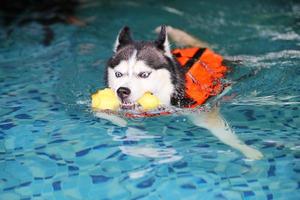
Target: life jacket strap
column 194, row 59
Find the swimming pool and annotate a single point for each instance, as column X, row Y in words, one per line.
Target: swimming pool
column 53, row 147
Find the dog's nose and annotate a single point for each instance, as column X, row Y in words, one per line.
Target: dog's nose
column 123, row 92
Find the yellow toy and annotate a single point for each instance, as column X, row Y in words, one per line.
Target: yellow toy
column 148, row 101
column 105, row 100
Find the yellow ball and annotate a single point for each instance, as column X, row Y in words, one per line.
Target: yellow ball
column 148, row 101
column 105, row 100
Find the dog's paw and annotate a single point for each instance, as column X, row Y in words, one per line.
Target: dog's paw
column 112, row 118
column 251, row 153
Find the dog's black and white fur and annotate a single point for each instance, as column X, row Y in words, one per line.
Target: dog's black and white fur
column 137, row 67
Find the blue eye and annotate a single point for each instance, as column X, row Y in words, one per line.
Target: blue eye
column 144, row 74
column 118, row 74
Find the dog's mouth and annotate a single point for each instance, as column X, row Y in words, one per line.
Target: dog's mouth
column 128, row 105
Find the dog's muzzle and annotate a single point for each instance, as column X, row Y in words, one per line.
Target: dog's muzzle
column 123, row 93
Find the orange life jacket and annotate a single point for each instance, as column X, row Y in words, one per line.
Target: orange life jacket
column 204, row 73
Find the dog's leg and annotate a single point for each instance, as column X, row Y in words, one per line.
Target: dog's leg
column 212, row 120
column 215, row 123
column 112, row 118
column 182, row 38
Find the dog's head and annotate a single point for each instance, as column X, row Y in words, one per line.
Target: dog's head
column 137, row 67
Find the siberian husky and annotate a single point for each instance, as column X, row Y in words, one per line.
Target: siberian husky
column 137, row 67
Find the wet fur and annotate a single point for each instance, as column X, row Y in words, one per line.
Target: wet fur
column 155, row 55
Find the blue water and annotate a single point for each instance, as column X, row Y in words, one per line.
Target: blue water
column 52, row 146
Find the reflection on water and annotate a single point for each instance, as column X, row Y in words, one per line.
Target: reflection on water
column 164, row 154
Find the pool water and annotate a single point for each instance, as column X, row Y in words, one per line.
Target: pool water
column 52, row 146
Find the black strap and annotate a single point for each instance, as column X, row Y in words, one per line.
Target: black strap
column 194, row 59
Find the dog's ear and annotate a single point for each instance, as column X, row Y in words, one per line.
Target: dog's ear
column 123, row 38
column 162, row 41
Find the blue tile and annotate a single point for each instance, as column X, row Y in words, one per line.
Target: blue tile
column 201, row 181
column 99, row 179
column 188, row 186
column 56, row 185
column 146, row 183
column 180, row 164
column 23, row 116
column 25, row 184
column 83, row 152
column 269, row 196
column 7, row 126
column 57, row 141
column 271, row 171
column 248, row 193
column 73, row 168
